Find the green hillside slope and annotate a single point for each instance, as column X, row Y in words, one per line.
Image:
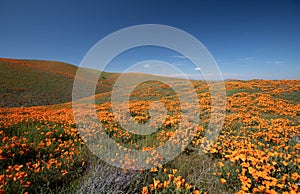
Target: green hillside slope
column 37, row 82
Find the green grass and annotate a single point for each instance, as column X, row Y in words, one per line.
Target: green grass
column 38, row 82
column 292, row 97
column 49, row 179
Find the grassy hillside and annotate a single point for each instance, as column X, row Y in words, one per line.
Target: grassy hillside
column 37, row 82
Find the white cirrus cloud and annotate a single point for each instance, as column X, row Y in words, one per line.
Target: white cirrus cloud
column 279, row 62
column 247, row 59
column 179, row 56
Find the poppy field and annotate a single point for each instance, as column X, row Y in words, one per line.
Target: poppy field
column 257, row 150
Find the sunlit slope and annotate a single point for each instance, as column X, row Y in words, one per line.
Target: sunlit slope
column 37, row 82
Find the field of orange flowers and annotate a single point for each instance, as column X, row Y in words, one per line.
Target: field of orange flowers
column 257, row 151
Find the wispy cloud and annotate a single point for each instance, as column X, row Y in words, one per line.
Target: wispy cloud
column 246, row 58
column 153, row 64
column 237, row 61
column 280, row 63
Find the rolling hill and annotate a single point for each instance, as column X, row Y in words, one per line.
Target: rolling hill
column 38, row 82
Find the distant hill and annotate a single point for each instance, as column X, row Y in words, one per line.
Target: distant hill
column 39, row 82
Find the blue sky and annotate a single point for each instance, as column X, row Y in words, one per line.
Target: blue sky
column 248, row 39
